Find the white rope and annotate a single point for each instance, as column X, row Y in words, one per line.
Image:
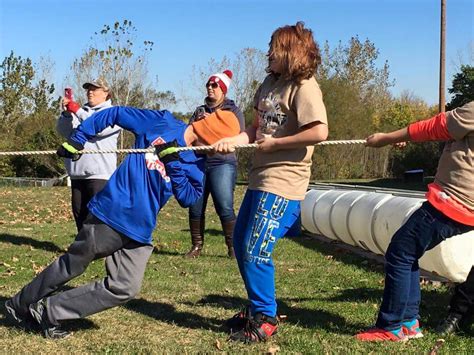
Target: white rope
column 151, row 150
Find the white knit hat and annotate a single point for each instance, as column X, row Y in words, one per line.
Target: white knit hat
column 222, row 79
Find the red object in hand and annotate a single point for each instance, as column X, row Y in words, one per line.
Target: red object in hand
column 73, row 107
column 68, row 93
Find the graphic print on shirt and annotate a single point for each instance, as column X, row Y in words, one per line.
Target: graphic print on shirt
column 154, row 163
column 265, row 222
column 270, row 115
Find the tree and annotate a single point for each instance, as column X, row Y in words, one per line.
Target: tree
column 15, row 91
column 29, row 114
column 123, row 64
column 356, row 94
column 462, row 87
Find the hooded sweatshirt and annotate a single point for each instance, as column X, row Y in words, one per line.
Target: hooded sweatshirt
column 90, row 166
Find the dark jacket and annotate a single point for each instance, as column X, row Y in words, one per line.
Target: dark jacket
column 228, row 105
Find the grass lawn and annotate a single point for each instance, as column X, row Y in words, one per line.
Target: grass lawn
column 326, row 293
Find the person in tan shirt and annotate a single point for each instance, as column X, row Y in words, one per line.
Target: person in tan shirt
column 290, row 117
column 448, row 211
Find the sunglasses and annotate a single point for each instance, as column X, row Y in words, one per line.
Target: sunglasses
column 212, row 85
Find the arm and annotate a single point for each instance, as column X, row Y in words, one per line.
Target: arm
column 227, row 145
column 125, row 117
column 186, row 178
column 433, row 129
column 309, row 134
column 378, row 140
column 186, row 183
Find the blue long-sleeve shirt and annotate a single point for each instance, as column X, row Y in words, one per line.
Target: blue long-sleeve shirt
column 141, row 185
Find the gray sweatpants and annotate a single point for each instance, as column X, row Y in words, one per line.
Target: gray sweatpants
column 125, row 263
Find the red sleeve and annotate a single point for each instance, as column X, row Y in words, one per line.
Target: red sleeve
column 432, row 129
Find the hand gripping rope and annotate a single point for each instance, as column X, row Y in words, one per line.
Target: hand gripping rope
column 151, row 150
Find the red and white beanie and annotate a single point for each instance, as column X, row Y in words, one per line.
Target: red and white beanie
column 222, row 79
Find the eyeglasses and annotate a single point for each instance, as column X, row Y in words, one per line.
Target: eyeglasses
column 212, row 85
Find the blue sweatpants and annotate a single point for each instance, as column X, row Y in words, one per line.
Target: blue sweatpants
column 263, row 219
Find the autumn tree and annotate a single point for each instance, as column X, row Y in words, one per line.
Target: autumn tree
column 117, row 57
column 356, row 94
column 29, row 109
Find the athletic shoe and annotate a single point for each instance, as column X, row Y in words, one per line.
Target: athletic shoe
column 449, row 325
column 51, row 331
column 258, row 329
column 25, row 323
column 412, row 329
column 238, row 320
column 378, row 334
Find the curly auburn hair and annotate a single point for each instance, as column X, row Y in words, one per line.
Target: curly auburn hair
column 295, row 47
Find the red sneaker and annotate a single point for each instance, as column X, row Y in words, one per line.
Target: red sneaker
column 412, row 329
column 377, row 334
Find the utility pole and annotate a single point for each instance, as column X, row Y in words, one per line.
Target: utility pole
column 442, row 59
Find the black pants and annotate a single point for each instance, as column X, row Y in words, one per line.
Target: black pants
column 462, row 302
column 82, row 192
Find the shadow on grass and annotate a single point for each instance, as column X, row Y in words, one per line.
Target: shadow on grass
column 167, row 313
column 304, row 317
column 339, row 253
column 37, row 244
column 70, row 326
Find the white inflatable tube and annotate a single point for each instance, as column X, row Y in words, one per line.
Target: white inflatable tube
column 369, row 220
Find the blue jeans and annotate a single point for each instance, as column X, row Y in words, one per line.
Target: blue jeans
column 425, row 229
column 263, row 219
column 219, row 181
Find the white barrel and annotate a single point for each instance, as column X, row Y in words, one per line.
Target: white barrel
column 453, row 258
column 369, row 220
column 322, row 212
column 390, row 216
column 340, row 215
column 307, row 208
column 361, row 218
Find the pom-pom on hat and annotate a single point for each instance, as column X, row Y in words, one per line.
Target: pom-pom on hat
column 222, row 79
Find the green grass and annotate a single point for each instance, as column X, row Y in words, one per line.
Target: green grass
column 327, row 293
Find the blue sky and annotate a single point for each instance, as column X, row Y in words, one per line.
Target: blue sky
column 188, row 33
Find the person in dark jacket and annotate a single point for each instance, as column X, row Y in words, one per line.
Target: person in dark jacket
column 220, row 172
column 120, row 223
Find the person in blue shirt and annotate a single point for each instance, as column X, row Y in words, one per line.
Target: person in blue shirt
column 120, row 223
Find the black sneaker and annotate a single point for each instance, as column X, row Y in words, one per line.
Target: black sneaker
column 449, row 325
column 258, row 329
column 24, row 322
column 51, row 331
column 239, row 320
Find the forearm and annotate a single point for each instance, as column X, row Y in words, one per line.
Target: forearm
column 398, row 136
column 378, row 140
column 305, row 137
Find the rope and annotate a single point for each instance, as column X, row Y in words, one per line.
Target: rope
column 151, row 150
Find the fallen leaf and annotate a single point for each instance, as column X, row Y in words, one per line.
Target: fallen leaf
column 439, row 343
column 218, row 345
column 273, row 350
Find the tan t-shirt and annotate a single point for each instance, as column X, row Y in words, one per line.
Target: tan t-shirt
column 456, row 166
column 283, row 107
